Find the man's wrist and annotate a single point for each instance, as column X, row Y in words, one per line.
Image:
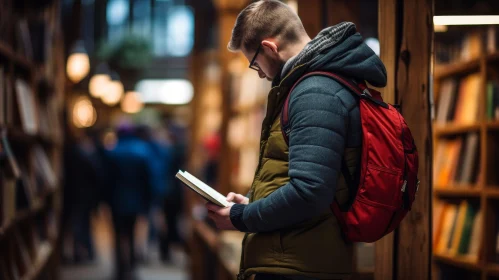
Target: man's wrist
column 236, row 217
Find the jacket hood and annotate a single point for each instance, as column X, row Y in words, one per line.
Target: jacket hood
column 340, row 49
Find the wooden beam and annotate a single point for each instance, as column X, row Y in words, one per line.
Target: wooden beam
column 413, row 81
column 310, row 15
column 383, row 267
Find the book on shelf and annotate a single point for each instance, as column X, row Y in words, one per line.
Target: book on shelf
column 27, row 106
column 2, row 95
column 492, row 100
column 456, row 161
column 202, row 189
column 12, row 165
column 472, row 45
column 467, row 103
column 496, row 235
column 8, row 199
column 9, row 99
column 23, row 39
column 446, row 158
column 25, row 190
column 457, row 230
column 468, row 161
column 43, row 168
column 447, row 101
column 23, row 259
column 492, row 39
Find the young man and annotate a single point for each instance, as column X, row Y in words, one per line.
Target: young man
column 291, row 231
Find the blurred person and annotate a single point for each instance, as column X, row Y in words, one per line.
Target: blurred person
column 160, row 160
column 174, row 199
column 295, row 185
column 131, row 189
column 82, row 181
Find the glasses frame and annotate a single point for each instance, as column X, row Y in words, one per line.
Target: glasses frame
column 252, row 63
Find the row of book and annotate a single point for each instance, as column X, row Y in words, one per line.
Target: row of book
column 468, row 46
column 457, row 230
column 20, row 106
column 30, row 244
column 456, row 161
column 459, row 100
column 492, row 100
column 24, row 181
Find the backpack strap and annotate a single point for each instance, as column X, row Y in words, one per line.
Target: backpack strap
column 360, row 90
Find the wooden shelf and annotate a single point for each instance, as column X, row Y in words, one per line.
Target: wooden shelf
column 493, row 125
column 460, row 262
column 20, row 136
column 454, row 128
column 492, row 192
column 444, row 71
column 21, row 215
column 19, row 60
column 464, row 191
column 206, row 233
column 492, row 57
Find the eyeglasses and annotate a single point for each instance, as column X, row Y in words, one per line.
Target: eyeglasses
column 253, row 65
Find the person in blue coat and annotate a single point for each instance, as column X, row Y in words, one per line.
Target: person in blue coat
column 131, row 176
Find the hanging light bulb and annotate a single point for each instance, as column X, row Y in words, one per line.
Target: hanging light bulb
column 131, row 103
column 98, row 82
column 84, row 114
column 78, row 64
column 113, row 91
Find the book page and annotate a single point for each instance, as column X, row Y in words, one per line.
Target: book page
column 207, row 189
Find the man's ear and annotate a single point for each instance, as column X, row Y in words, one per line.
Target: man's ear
column 272, row 45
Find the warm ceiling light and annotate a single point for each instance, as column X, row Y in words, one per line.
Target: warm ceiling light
column 84, row 114
column 113, row 91
column 97, row 85
column 465, row 20
column 78, row 64
column 99, row 80
column 131, row 103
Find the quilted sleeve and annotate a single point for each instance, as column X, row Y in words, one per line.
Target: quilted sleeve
column 318, row 122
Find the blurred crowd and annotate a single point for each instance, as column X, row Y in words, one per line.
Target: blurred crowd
column 132, row 171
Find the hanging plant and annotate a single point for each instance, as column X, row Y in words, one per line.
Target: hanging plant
column 132, row 52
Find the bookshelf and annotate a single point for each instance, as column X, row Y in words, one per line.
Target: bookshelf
column 32, row 83
column 467, row 196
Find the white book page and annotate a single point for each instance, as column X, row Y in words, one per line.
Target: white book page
column 209, row 190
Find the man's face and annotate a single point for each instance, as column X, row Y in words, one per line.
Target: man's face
column 265, row 61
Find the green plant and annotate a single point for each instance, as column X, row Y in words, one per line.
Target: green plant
column 132, row 52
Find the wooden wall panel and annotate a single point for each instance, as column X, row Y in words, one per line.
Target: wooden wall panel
column 310, row 15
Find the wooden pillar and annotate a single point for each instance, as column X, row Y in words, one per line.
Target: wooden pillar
column 413, row 87
column 383, row 266
column 227, row 14
column 406, row 31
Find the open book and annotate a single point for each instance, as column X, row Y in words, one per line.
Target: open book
column 202, row 189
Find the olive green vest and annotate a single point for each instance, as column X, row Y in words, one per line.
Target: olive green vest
column 314, row 248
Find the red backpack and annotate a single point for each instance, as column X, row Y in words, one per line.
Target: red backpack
column 384, row 188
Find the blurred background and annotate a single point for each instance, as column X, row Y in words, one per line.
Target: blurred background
column 103, row 101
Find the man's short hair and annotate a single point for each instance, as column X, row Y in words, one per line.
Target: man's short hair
column 265, row 19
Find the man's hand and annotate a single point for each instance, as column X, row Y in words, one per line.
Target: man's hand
column 220, row 215
column 237, row 198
